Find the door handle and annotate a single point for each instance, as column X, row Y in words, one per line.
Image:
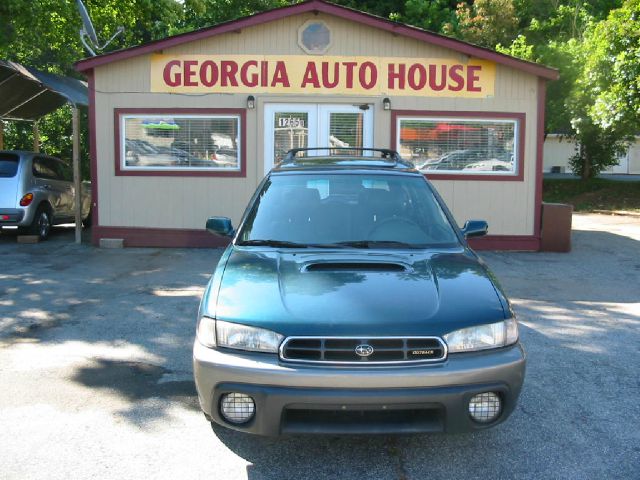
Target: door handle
column 47, row 187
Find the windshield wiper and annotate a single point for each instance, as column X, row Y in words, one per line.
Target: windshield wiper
column 349, row 244
column 287, row 244
column 376, row 243
column 272, row 243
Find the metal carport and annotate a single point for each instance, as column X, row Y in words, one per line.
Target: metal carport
column 28, row 94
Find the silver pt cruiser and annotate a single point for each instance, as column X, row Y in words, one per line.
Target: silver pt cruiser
column 37, row 191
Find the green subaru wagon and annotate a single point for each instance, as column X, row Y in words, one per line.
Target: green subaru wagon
column 348, row 302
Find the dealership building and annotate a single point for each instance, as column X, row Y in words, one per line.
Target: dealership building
column 186, row 127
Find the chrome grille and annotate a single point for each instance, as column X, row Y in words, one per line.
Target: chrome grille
column 342, row 350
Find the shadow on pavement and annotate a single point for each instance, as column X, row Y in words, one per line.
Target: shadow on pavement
column 123, row 320
column 137, row 381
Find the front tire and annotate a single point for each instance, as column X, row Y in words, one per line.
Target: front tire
column 41, row 225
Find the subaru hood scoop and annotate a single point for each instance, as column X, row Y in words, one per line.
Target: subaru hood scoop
column 349, row 292
column 351, row 266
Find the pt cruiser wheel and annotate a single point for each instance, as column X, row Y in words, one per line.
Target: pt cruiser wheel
column 41, row 224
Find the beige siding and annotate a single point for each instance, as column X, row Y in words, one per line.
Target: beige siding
column 166, row 202
column 185, row 202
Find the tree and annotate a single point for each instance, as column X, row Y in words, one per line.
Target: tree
column 487, row 22
column 612, row 70
column 595, row 46
column 206, row 13
column 605, row 101
column 436, row 15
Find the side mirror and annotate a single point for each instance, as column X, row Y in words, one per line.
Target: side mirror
column 220, row 226
column 475, row 228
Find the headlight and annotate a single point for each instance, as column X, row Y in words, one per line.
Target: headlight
column 482, row 337
column 206, row 331
column 212, row 333
column 243, row 337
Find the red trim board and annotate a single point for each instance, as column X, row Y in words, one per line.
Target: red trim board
column 177, row 238
column 523, row 243
column 95, row 217
column 520, row 117
column 181, row 173
column 189, row 238
column 161, row 237
column 319, row 6
column 542, row 92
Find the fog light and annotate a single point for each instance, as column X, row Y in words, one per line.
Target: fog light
column 237, row 407
column 485, row 407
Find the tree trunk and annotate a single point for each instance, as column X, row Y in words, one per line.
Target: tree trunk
column 586, row 168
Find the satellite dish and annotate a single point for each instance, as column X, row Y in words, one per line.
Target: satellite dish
column 88, row 33
column 86, row 21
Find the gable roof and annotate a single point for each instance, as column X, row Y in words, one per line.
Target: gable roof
column 329, row 9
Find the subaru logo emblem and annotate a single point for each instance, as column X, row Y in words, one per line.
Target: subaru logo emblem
column 364, row 350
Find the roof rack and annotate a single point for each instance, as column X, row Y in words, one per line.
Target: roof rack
column 391, row 157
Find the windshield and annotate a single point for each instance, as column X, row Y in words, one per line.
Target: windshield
column 353, row 210
column 8, row 165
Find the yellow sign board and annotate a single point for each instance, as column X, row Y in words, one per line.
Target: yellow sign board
column 427, row 77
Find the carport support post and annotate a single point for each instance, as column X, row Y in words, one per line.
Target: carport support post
column 76, row 172
column 36, row 137
column 1, row 135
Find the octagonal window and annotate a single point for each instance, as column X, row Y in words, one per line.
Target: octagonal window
column 314, row 37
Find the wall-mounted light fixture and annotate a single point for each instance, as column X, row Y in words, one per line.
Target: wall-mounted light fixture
column 251, row 102
column 386, row 104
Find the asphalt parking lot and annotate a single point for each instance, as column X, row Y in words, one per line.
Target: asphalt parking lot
column 95, row 372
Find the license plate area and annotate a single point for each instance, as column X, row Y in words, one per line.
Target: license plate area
column 361, row 419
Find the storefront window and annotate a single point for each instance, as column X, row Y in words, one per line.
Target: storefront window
column 460, row 146
column 180, row 142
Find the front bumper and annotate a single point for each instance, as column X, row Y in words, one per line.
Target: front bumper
column 293, row 398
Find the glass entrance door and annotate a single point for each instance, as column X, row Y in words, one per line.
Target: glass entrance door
column 311, row 125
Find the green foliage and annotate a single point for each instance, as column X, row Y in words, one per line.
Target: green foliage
column 561, row 24
column 204, row 13
column 56, row 136
column 435, row 15
column 596, row 48
column 597, row 149
column 391, row 9
column 605, row 99
column 612, row 70
column 566, row 56
column 40, row 34
column 487, row 22
column 519, row 48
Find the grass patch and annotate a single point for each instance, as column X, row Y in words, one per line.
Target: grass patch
column 596, row 194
